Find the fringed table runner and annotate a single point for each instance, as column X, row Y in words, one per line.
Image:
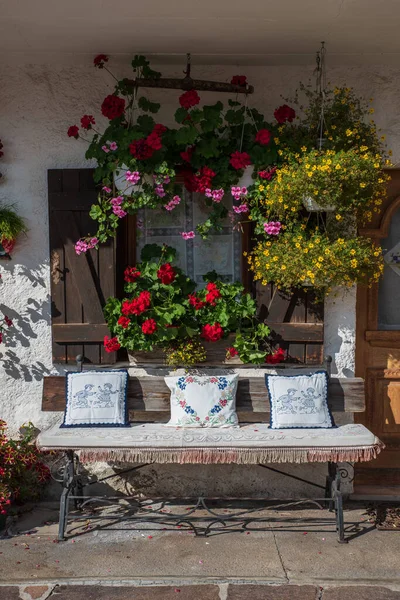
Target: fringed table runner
column 247, row 444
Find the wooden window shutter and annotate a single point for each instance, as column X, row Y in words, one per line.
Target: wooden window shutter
column 80, row 285
column 297, row 320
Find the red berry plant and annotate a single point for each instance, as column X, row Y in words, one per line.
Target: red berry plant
column 138, row 158
column 163, row 309
column 23, row 474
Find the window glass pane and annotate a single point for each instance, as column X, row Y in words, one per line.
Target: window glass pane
column 220, row 252
column 389, row 287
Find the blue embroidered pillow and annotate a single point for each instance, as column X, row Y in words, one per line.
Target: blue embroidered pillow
column 299, row 401
column 203, row 401
column 96, row 399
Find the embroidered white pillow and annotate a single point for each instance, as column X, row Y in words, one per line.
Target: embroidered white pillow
column 96, row 399
column 299, row 401
column 203, row 401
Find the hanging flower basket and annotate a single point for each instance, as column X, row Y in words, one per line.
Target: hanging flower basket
column 11, row 225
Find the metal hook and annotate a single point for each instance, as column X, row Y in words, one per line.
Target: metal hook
column 188, row 64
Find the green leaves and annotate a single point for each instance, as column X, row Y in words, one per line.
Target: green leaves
column 146, row 124
column 147, row 106
column 142, row 65
column 185, row 136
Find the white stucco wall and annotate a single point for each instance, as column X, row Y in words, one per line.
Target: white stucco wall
column 38, row 103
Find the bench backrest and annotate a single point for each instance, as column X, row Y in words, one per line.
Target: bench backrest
column 149, row 397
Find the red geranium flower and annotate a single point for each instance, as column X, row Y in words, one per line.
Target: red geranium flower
column 195, row 302
column 240, row 160
column 267, row 173
column 284, row 113
column 231, row 351
column 149, row 327
column 111, row 344
column 275, row 358
column 213, row 293
column 189, row 99
column 154, row 141
column 99, row 60
column 7, row 321
column 138, row 305
column 159, row 129
column 124, row 322
column 113, row 107
column 73, row 131
column 87, row 121
column 263, row 137
column 212, row 333
column 166, row 274
column 239, row 80
column 187, row 154
column 140, row 149
column 131, row 274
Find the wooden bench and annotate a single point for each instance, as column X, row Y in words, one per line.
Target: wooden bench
column 149, row 441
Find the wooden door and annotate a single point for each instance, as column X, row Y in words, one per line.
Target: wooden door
column 378, row 352
column 80, row 285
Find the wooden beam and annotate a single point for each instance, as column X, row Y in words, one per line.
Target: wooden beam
column 189, row 84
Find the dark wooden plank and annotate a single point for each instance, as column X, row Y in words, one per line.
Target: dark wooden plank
column 68, row 333
column 298, row 332
column 152, row 394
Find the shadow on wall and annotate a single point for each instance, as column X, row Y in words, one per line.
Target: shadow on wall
column 21, row 334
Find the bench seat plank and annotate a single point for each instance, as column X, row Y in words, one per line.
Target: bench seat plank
column 151, row 394
column 248, row 444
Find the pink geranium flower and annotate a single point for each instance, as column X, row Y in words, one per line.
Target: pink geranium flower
column 272, row 228
column 188, row 235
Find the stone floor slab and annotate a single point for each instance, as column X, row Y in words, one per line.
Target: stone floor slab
column 269, row 592
column 360, row 593
column 9, row 593
column 192, row 592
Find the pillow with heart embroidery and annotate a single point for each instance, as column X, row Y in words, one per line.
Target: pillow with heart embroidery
column 203, row 401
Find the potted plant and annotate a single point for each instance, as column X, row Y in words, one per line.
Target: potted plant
column 163, row 311
column 299, row 257
column 23, row 473
column 11, row 225
column 211, row 149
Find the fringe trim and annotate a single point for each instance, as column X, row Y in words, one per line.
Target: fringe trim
column 239, row 456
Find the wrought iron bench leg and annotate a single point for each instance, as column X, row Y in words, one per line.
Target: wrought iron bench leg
column 338, row 502
column 69, row 482
column 332, row 472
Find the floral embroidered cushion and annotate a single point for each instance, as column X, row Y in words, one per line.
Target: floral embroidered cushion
column 299, row 401
column 203, row 401
column 96, row 399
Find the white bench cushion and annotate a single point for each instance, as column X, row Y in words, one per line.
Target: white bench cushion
column 247, row 444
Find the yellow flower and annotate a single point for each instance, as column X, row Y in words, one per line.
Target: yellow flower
column 354, row 263
column 340, row 241
column 376, row 253
column 261, row 188
column 277, row 141
column 371, row 111
column 298, row 245
column 363, row 185
column 349, row 132
column 352, row 252
column 268, row 243
column 303, row 148
column 338, row 217
column 338, row 167
column 311, row 245
column 283, row 268
column 383, row 138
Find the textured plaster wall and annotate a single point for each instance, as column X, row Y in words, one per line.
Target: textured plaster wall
column 38, row 103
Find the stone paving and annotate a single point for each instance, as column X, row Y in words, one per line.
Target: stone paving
column 197, row 592
column 115, row 561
